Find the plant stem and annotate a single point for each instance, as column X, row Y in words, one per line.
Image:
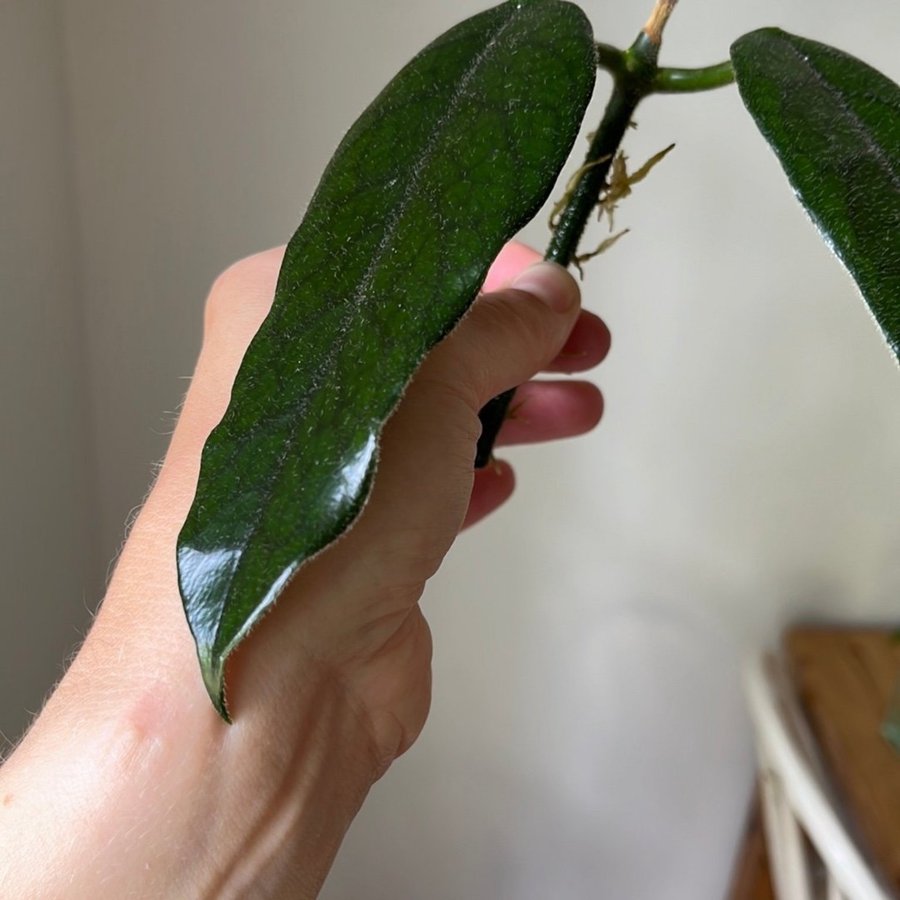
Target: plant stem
column 677, row 81
column 610, row 58
column 658, row 18
column 628, row 90
column 635, row 75
column 573, row 219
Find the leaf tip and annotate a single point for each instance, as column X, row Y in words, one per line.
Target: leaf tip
column 213, row 667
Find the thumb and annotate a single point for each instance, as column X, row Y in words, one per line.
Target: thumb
column 511, row 334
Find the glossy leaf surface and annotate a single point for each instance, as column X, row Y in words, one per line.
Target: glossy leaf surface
column 449, row 161
column 834, row 123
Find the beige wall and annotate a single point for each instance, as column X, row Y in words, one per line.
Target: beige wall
column 51, row 571
column 587, row 712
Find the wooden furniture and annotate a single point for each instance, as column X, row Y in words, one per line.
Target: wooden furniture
column 751, row 879
column 830, row 781
column 845, row 680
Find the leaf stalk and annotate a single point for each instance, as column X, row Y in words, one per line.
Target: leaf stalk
column 682, row 81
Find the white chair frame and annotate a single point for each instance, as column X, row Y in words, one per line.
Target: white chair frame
column 796, row 800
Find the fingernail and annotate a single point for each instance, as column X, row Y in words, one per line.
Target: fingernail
column 550, row 283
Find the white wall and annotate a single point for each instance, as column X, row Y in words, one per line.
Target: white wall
column 587, row 736
column 51, row 573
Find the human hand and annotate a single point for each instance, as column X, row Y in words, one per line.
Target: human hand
column 365, row 627
column 334, row 683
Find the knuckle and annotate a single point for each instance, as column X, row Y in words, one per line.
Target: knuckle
column 225, row 291
column 526, row 323
column 457, row 395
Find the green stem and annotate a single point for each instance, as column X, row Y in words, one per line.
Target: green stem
column 678, row 81
column 610, row 58
column 635, row 75
column 630, row 84
column 573, row 219
column 632, row 80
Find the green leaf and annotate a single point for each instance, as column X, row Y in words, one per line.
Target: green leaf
column 450, row 160
column 834, row 123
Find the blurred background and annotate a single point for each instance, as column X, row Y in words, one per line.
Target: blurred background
column 588, row 736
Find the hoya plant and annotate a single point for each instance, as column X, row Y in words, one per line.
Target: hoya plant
column 453, row 157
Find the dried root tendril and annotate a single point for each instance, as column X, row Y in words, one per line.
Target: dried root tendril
column 617, row 187
column 620, row 182
column 572, row 183
column 602, row 248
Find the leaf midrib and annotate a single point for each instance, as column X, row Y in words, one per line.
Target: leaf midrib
column 329, row 363
column 859, row 125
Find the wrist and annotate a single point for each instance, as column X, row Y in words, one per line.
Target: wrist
column 147, row 779
column 130, row 770
column 292, row 779
column 262, row 804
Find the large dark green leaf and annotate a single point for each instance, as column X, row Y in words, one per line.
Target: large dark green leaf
column 834, row 123
column 452, row 158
